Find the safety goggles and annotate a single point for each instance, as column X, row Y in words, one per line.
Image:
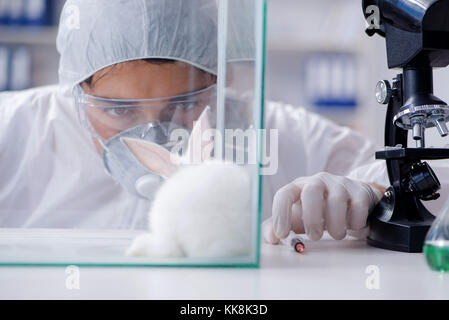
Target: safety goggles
column 108, row 117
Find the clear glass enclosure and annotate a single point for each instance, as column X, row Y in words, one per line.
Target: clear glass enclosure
column 162, row 168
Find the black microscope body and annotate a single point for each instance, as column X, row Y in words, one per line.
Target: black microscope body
column 417, row 40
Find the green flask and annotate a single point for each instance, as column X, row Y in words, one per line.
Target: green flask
column 436, row 245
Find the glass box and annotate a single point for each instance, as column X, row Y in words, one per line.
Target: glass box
column 92, row 235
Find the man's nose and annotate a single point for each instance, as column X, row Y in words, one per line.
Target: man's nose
column 150, row 113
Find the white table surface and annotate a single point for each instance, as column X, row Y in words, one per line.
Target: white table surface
column 329, row 270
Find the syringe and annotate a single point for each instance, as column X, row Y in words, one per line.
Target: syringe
column 295, row 241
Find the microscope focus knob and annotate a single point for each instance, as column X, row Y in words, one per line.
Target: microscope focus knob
column 384, row 92
column 423, row 181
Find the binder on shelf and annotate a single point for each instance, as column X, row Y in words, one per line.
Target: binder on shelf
column 35, row 13
column 4, row 68
column 330, row 80
column 38, row 12
column 4, row 14
column 20, row 66
column 16, row 11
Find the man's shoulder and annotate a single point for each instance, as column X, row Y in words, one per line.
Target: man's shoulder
column 32, row 101
column 32, row 95
column 282, row 115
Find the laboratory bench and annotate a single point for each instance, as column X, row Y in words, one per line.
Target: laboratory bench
column 329, row 269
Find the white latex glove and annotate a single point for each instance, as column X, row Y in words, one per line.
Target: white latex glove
column 321, row 202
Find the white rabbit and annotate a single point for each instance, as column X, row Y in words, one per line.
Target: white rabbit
column 201, row 210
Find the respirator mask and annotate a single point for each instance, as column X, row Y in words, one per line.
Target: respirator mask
column 110, row 121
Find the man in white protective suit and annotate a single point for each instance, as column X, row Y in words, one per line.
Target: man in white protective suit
column 122, row 56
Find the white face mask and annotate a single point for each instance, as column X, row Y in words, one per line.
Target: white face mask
column 125, row 168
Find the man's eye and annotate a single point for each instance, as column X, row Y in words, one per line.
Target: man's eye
column 117, row 112
column 184, row 106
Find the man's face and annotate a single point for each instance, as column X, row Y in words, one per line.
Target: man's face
column 143, row 80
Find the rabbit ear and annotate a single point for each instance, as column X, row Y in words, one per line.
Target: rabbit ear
column 153, row 156
column 199, row 150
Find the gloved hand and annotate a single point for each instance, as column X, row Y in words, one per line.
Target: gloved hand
column 321, row 202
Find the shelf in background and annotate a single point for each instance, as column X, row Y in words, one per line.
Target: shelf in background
column 28, row 35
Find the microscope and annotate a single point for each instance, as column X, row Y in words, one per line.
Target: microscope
column 417, row 40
